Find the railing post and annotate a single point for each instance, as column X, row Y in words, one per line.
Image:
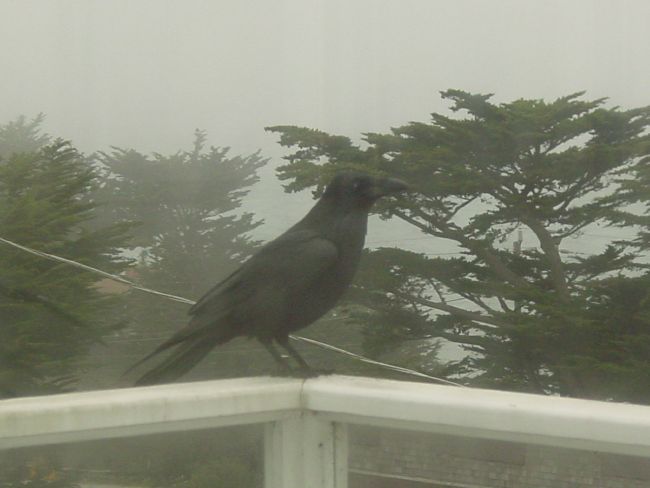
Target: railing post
column 305, row 451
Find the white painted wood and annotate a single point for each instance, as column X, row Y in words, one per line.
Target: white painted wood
column 326, row 401
column 147, row 410
column 305, row 451
column 341, row 453
column 283, row 453
column 489, row 414
column 318, row 452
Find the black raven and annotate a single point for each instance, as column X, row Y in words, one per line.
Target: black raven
column 292, row 281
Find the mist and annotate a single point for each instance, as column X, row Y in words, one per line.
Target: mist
column 147, row 74
column 144, row 74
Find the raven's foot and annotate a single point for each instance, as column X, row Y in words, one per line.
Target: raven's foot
column 302, row 372
column 311, row 372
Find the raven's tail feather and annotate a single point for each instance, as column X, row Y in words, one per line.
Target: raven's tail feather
column 176, row 339
column 191, row 332
column 184, row 358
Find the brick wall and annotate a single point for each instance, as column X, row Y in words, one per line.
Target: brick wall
column 404, row 459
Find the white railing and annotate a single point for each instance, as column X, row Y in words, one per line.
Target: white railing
column 306, row 435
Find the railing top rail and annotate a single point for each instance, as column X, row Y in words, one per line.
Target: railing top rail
column 548, row 420
column 145, row 410
column 610, row 427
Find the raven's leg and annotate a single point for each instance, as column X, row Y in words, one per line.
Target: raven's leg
column 284, row 342
column 276, row 356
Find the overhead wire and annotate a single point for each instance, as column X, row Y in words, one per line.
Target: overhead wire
column 180, row 299
column 85, row 267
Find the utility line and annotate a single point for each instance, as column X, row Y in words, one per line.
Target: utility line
column 176, row 298
column 85, row 267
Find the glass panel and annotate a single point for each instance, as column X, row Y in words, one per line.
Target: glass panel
column 390, row 458
column 225, row 458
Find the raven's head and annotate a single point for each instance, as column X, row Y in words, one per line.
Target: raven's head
column 361, row 189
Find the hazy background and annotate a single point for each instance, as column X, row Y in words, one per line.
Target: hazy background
column 146, row 73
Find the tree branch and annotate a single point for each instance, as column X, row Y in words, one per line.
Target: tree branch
column 423, row 227
column 504, row 305
column 495, row 263
column 461, row 339
column 458, row 312
column 552, row 253
column 479, row 248
column 476, row 300
column 461, row 206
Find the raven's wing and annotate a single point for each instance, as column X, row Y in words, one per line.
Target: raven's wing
column 293, row 261
column 256, row 292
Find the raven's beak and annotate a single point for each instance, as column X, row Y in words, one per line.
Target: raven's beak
column 388, row 186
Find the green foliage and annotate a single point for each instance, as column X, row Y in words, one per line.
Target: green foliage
column 40, row 468
column 22, row 136
column 185, row 204
column 226, row 457
column 231, row 472
column 222, row 458
column 192, row 232
column 527, row 317
column 49, row 313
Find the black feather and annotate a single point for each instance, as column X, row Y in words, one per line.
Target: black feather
column 291, row 282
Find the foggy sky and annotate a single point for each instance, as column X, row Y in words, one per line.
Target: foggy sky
column 146, row 73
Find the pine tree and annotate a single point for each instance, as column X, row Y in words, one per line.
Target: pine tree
column 538, row 319
column 21, row 135
column 191, row 231
column 49, row 313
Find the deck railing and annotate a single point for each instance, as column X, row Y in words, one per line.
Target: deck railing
column 306, row 420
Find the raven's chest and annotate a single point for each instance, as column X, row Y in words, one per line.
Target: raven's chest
column 313, row 302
